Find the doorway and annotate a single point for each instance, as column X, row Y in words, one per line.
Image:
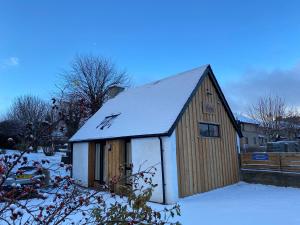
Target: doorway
column 128, row 161
column 99, row 163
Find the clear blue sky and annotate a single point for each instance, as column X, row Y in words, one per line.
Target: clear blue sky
column 149, row 38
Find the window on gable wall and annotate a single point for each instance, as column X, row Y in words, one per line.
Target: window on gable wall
column 209, row 130
column 107, row 121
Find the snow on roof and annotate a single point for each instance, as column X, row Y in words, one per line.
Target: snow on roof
column 245, row 119
column 145, row 110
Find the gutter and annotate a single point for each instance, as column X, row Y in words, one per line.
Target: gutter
column 162, row 169
column 118, row 137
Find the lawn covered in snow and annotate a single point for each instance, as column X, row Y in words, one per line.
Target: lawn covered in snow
column 53, row 165
column 243, row 204
column 238, row 204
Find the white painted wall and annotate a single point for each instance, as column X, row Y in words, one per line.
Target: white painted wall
column 170, row 169
column 80, row 163
column 146, row 153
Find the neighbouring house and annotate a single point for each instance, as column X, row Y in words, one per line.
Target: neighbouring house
column 253, row 136
column 288, row 129
column 182, row 125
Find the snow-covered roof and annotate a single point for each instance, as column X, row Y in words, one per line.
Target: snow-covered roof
column 151, row 109
column 245, row 119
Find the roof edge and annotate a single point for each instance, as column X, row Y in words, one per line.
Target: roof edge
column 172, row 128
column 120, row 137
column 208, row 72
column 224, row 101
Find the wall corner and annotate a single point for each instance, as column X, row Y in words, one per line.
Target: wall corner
column 170, row 168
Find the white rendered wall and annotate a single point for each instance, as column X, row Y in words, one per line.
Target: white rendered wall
column 80, row 163
column 145, row 154
column 170, row 169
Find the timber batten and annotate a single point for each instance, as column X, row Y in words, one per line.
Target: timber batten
column 205, row 163
column 115, row 158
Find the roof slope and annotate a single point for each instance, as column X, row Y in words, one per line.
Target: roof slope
column 245, row 119
column 148, row 110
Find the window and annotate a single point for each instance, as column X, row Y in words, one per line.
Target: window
column 106, row 123
column 209, row 130
column 246, row 140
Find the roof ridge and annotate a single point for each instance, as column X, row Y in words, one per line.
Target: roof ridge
column 181, row 73
column 169, row 77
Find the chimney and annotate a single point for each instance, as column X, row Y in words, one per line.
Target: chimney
column 114, row 90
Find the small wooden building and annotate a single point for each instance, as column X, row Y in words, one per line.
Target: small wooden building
column 181, row 124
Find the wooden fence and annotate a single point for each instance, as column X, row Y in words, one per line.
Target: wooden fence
column 284, row 162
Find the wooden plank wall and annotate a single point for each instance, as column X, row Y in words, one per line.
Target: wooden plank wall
column 272, row 163
column 205, row 163
column 290, row 162
column 113, row 158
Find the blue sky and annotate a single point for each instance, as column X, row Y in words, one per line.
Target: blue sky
column 151, row 39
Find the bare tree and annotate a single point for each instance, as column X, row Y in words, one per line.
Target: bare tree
column 89, row 79
column 267, row 110
column 30, row 110
column 291, row 123
column 274, row 116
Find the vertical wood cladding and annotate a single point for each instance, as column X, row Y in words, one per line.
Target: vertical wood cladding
column 205, row 163
column 114, row 157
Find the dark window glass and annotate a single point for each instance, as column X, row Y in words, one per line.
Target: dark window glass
column 214, row 130
column 204, row 130
column 209, row 130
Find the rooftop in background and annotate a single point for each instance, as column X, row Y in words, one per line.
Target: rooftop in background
column 244, row 119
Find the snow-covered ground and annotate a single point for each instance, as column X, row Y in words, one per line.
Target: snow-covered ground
column 239, row 204
column 53, row 165
column 243, row 204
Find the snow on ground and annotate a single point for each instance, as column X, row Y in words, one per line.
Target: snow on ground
column 243, row 204
column 238, row 204
column 54, row 161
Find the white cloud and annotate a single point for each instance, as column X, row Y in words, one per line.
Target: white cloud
column 254, row 84
column 9, row 62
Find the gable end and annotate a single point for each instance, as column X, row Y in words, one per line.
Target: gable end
column 208, row 72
